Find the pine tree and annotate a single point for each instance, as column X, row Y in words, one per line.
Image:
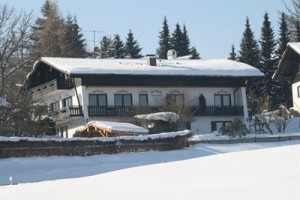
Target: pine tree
column 176, row 41
column 185, row 42
column 104, row 46
column 195, row 54
column 116, row 48
column 48, row 32
column 232, row 54
column 249, row 49
column 74, row 44
column 132, row 48
column 284, row 36
column 164, row 41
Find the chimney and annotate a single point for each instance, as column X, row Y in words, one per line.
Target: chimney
column 171, row 54
column 151, row 60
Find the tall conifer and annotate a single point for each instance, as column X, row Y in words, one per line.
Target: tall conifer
column 284, row 36
column 232, row 54
column 132, row 48
column 249, row 49
column 164, row 41
column 116, row 48
column 250, row 54
column 185, row 43
column 73, row 43
column 176, row 40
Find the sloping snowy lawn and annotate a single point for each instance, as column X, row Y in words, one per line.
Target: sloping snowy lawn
column 265, row 173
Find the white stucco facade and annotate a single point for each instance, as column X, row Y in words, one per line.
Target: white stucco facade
column 156, row 97
column 81, row 90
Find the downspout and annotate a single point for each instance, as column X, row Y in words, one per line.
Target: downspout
column 77, row 96
column 234, row 95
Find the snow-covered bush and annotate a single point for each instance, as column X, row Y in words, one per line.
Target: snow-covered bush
column 235, row 129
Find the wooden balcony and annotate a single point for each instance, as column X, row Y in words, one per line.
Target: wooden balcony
column 218, row 111
column 75, row 111
column 130, row 111
column 115, row 111
column 66, row 84
column 51, row 86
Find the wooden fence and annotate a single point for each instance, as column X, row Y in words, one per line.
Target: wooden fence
column 27, row 147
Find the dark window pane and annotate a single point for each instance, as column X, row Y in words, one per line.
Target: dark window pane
column 143, row 99
column 118, row 100
column 226, row 100
column 127, row 100
column 218, row 100
column 102, row 100
column 93, row 100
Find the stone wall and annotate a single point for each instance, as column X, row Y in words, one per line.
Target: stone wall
column 85, row 147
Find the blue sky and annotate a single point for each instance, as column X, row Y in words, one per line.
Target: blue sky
column 213, row 25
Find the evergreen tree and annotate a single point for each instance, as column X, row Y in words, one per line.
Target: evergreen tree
column 268, row 44
column 116, row 48
column 268, row 61
column 232, row 54
column 164, row 41
column 132, row 48
column 185, row 42
column 48, row 32
column 176, row 41
column 249, row 49
column 282, row 91
column 297, row 26
column 195, row 54
column 104, row 46
column 74, row 44
column 284, row 36
column 250, row 54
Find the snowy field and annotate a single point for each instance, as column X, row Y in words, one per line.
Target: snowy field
column 238, row 171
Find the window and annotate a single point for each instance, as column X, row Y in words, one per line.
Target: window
column 54, row 106
column 175, row 99
column 98, row 100
column 222, row 100
column 216, row 125
column 143, row 100
column 298, row 91
column 67, row 102
column 123, row 100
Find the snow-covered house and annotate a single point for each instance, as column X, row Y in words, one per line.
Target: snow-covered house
column 289, row 70
column 82, row 90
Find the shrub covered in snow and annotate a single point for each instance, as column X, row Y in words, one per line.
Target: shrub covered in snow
column 235, row 129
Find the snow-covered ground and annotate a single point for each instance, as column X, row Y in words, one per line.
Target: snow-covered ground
column 270, row 171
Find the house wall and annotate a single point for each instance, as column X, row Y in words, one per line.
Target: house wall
column 203, row 125
column 296, row 96
column 156, row 97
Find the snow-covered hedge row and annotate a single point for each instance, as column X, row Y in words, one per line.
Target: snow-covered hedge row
column 24, row 147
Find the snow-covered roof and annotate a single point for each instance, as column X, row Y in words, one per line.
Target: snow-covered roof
column 295, row 46
column 164, row 116
column 287, row 62
column 118, row 127
column 212, row 67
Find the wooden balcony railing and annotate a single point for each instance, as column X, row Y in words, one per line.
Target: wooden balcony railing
column 75, row 111
column 115, row 111
column 130, row 111
column 66, row 84
column 218, row 111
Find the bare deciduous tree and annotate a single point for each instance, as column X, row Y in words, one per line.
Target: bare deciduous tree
column 14, row 42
